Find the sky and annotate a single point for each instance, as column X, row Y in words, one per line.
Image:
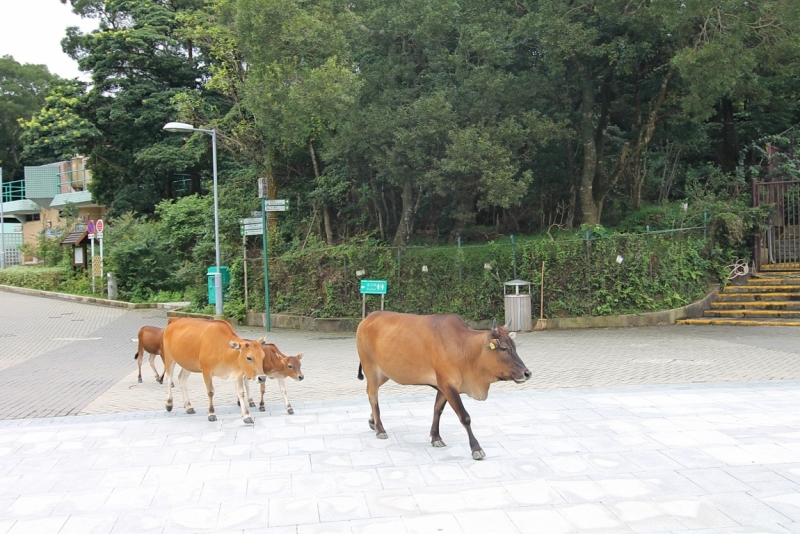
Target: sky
column 31, row 32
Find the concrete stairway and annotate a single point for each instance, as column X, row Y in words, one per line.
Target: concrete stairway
column 771, row 298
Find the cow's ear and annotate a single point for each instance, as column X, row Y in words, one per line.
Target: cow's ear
column 234, row 345
column 300, row 356
column 493, row 344
column 512, row 335
column 495, row 333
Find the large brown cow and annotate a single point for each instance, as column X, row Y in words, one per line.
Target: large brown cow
column 150, row 342
column 440, row 351
column 214, row 349
column 279, row 366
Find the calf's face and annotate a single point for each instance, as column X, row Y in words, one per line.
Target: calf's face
column 291, row 366
column 251, row 359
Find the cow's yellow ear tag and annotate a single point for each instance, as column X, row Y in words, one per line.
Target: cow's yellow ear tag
column 492, row 346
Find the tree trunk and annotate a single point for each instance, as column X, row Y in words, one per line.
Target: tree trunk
column 406, row 225
column 727, row 149
column 587, row 139
column 326, row 213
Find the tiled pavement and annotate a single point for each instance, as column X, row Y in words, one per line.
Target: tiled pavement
column 640, row 448
column 671, row 458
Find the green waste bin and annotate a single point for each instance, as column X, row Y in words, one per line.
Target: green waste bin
column 226, row 280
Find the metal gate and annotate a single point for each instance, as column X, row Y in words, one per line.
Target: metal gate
column 780, row 241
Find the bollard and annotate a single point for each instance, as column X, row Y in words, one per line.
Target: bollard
column 112, row 287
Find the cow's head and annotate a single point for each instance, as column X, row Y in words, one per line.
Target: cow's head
column 251, row 359
column 291, row 366
column 500, row 355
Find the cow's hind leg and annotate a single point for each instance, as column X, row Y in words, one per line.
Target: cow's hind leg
column 240, row 384
column 168, row 368
column 212, row 414
column 183, row 376
column 454, row 399
column 153, row 366
column 374, row 382
column 139, row 355
column 438, row 408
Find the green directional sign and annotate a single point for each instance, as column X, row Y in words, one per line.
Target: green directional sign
column 374, row 287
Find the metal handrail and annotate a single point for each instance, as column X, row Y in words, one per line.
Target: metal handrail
column 13, row 191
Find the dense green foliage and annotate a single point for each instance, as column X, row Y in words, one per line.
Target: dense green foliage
column 401, row 124
column 22, row 94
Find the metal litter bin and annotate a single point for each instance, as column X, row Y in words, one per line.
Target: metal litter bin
column 518, row 305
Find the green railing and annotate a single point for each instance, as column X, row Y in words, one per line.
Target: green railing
column 181, row 185
column 72, row 181
column 14, row 191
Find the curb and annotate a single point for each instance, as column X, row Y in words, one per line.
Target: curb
column 665, row 317
column 89, row 300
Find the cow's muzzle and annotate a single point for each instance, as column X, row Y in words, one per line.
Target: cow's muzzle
column 262, row 378
column 526, row 374
column 300, row 377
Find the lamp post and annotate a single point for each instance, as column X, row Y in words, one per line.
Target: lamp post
column 182, row 127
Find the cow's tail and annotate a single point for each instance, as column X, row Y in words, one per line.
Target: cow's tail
column 360, row 374
column 136, row 355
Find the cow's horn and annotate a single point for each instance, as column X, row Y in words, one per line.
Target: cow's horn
column 494, row 327
column 508, row 324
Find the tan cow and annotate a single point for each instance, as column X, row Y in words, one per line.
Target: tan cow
column 150, row 342
column 440, row 351
column 279, row 366
column 214, row 349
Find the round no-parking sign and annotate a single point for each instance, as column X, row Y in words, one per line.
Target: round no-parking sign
column 99, row 227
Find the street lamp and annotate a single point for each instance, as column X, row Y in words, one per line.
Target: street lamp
column 182, row 127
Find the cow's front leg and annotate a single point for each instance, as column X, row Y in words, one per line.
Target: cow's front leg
column 240, row 393
column 183, row 376
column 282, row 385
column 249, row 397
column 454, row 398
column 261, row 406
column 438, row 408
column 212, row 414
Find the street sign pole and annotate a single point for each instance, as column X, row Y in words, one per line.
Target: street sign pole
column 2, row 225
column 268, row 320
column 244, row 258
column 99, row 228
column 90, row 228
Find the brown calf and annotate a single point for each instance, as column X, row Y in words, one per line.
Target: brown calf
column 279, row 366
column 213, row 349
column 150, row 342
column 440, row 351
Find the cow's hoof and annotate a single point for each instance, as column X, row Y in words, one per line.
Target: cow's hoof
column 160, row 381
column 372, row 425
column 437, row 442
column 212, row 417
column 290, row 411
column 190, row 411
column 140, row 380
column 169, row 407
column 248, row 420
column 262, row 408
column 382, row 435
column 478, row 455
column 252, row 404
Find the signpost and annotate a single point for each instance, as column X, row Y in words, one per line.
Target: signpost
column 99, row 230
column 91, row 229
column 266, row 205
column 372, row 287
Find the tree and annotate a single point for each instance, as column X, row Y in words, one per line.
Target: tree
column 22, row 94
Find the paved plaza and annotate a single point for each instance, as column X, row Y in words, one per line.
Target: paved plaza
column 669, row 429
